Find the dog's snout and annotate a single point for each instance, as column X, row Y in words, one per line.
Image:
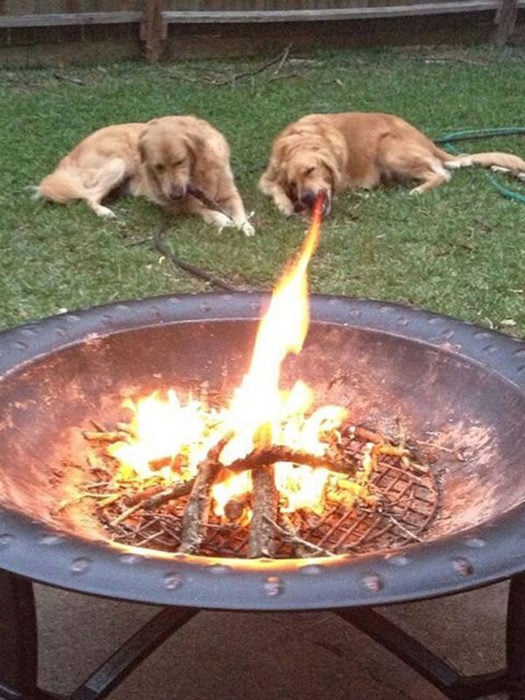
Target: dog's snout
column 177, row 192
column 308, row 198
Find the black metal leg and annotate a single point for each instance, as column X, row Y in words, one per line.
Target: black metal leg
column 516, row 637
column 19, row 646
column 137, row 648
column 19, row 668
column 428, row 665
column 18, row 637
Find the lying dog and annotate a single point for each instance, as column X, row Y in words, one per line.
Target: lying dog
column 165, row 160
column 331, row 152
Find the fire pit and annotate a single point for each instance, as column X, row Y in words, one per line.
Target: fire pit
column 455, row 387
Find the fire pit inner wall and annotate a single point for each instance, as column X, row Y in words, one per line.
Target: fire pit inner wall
column 388, row 382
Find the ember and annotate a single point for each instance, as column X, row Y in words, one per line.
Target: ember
column 263, row 474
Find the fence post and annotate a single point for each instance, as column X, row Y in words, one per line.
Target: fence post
column 505, row 21
column 154, row 30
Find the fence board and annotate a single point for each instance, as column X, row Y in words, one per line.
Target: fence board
column 50, row 7
column 433, row 8
column 69, row 19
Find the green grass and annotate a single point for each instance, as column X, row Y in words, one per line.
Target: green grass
column 459, row 250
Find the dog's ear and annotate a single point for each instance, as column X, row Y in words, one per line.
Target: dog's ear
column 141, row 146
column 196, row 148
column 142, row 151
column 335, row 167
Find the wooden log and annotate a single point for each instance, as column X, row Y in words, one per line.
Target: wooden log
column 281, row 453
column 264, row 512
column 195, row 518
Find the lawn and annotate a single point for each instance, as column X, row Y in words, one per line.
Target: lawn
column 459, row 250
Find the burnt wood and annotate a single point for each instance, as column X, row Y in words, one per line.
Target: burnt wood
column 195, row 519
column 264, row 511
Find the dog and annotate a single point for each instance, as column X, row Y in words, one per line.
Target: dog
column 350, row 150
column 167, row 160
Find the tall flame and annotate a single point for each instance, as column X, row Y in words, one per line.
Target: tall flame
column 282, row 330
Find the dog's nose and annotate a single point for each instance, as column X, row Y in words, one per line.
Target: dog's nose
column 177, row 192
column 308, row 198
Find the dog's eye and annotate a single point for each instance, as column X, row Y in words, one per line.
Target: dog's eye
column 309, row 171
column 159, row 167
column 177, row 163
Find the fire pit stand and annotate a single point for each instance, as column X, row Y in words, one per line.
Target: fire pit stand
column 18, row 648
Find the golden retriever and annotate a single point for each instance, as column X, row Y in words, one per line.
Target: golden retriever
column 163, row 160
column 331, row 152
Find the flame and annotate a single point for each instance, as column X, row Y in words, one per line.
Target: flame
column 282, row 330
column 260, row 413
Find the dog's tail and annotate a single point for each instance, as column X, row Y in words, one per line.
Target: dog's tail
column 58, row 187
column 502, row 162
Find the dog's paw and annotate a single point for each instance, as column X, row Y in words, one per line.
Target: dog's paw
column 221, row 220
column 104, row 212
column 247, row 229
column 34, row 192
column 285, row 207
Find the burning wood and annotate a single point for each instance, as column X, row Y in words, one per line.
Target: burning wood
column 197, row 509
column 264, row 506
column 281, row 453
column 387, row 488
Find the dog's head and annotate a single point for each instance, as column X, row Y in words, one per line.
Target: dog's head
column 307, row 173
column 168, row 154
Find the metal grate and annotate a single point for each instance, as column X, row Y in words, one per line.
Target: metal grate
column 405, row 504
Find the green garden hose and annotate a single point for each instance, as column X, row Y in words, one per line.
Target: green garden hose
column 447, row 140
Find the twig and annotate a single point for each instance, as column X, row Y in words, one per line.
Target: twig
column 125, row 514
column 165, row 249
column 220, row 81
column 206, row 201
column 105, row 435
column 68, row 78
column 401, row 527
column 283, row 59
column 280, row 60
column 293, row 538
column 183, row 488
column 452, row 59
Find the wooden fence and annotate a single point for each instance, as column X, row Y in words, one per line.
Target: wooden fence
column 154, row 17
